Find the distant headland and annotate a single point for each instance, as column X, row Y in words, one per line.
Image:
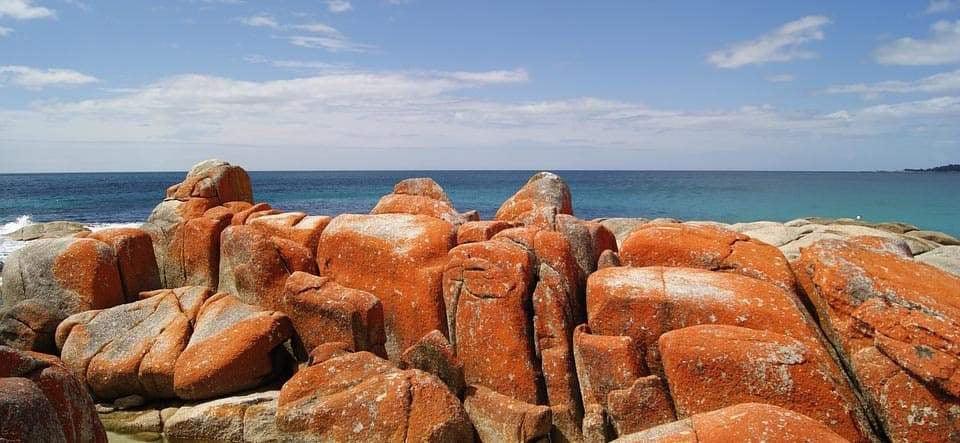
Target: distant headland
column 944, row 168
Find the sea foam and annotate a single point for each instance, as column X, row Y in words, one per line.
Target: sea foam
column 8, row 245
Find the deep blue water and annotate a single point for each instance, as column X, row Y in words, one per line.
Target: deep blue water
column 928, row 200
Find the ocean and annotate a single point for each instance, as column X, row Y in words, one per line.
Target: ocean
column 927, row 200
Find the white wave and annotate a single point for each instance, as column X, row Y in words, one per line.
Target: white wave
column 8, row 245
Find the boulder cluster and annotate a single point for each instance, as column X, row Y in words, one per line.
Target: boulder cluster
column 224, row 319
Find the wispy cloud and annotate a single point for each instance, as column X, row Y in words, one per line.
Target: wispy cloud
column 780, row 78
column 942, row 47
column 338, row 6
column 33, row 78
column 294, row 64
column 780, row 45
column 939, row 6
column 937, row 83
column 328, row 37
column 24, row 10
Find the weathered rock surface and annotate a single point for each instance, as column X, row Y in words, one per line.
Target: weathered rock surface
column 244, row 418
column 323, row 311
column 946, row 258
column 706, row 247
column 360, row 397
column 709, row 367
column 255, row 265
column 477, row 231
column 499, row 418
column 542, row 191
column 512, row 303
column 936, row 237
column 398, row 258
column 185, row 342
column 435, row 355
column 48, row 280
column 41, row 401
column 54, row 229
column 135, row 259
column 421, row 196
column 747, row 423
column 896, row 323
column 185, row 227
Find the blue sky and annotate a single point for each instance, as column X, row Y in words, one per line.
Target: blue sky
column 420, row 84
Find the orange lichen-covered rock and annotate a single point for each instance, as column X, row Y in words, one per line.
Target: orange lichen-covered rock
column 135, row 259
column 297, row 227
column 132, row 348
column 709, row 367
column 40, row 400
column 399, row 258
column 744, row 423
column 873, row 305
column 421, row 196
column 434, row 354
column 643, row 303
column 490, row 289
column 213, row 179
column 542, row 190
column 588, row 240
column 614, row 382
column 255, row 265
column 323, row 311
column 499, row 418
column 234, row 346
column 48, row 280
column 477, row 231
column 706, row 247
column 185, row 227
column 487, row 293
column 360, row 397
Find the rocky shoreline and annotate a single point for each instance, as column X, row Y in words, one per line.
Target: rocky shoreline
column 224, row 319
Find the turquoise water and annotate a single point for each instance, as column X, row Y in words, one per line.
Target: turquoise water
column 928, row 200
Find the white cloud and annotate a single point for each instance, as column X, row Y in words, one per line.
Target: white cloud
column 403, row 110
column 781, row 45
column 937, row 83
column 943, row 47
column 938, row 6
column 294, row 64
column 338, row 6
column 260, row 21
column 23, row 10
column 5, row 31
column 329, row 39
column 33, row 78
column 780, row 78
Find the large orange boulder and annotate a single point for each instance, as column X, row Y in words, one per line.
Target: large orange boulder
column 477, row 231
column 185, row 227
column 744, row 423
column 254, row 265
column 135, row 259
column 709, row 367
column 499, row 418
column 40, row 400
column 48, row 280
column 895, row 322
column 297, row 227
column 399, row 258
column 644, row 303
column 706, row 247
column 511, row 309
column 323, row 311
column 234, row 346
column 421, row 196
column 542, row 191
column 360, row 397
column 184, row 342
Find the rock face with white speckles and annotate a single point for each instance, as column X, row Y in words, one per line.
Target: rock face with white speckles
column 398, row 258
column 186, row 343
column 896, row 323
column 40, row 400
column 512, row 303
column 361, row 397
column 745, row 423
column 706, row 247
column 421, row 196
